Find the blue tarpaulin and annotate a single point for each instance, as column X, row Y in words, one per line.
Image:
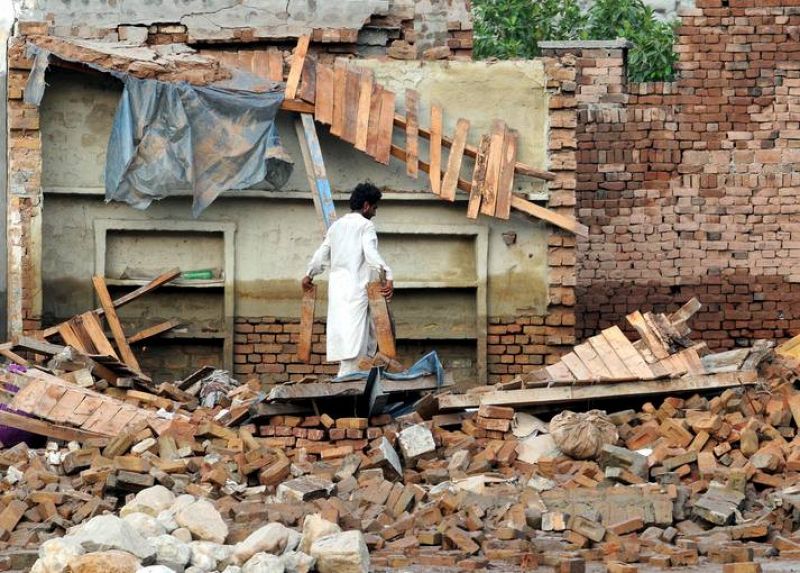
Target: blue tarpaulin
column 426, row 366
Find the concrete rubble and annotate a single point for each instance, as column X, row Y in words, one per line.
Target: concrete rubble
column 682, row 479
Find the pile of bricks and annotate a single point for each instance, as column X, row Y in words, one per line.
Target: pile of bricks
column 689, row 479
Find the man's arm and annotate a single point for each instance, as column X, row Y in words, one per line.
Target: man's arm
column 369, row 243
column 319, row 262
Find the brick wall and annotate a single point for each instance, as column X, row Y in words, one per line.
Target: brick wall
column 691, row 188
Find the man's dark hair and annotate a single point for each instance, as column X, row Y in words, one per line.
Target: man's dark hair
column 364, row 192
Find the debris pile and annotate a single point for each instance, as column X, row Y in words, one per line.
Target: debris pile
column 197, row 476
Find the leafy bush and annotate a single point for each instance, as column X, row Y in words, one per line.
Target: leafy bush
column 508, row 29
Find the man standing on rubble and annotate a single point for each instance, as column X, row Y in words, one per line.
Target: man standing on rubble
column 350, row 249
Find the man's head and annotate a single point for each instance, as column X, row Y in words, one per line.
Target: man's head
column 364, row 199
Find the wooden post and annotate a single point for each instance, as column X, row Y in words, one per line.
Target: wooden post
column 306, row 324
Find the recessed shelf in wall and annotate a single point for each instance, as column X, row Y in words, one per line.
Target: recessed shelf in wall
column 178, row 283
column 407, row 285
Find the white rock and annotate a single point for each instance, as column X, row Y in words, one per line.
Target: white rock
column 105, row 532
column 263, row 563
column 203, row 520
column 297, row 562
column 145, row 524
column 55, row 554
column 167, row 520
column 341, row 553
column 271, row 538
column 171, row 552
column 415, row 441
column 182, row 534
column 232, row 569
column 151, row 501
column 314, row 527
column 157, row 569
column 208, row 555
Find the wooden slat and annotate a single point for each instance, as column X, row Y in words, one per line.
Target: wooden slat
column 380, row 316
column 657, row 347
column 627, row 353
column 28, row 396
column 374, row 120
column 48, row 400
column 106, row 411
column 364, row 109
column 47, row 429
column 62, row 411
column 412, row 133
column 76, row 322
column 451, row 176
column 493, row 163
column 560, row 372
column 478, row 175
column 567, row 223
column 85, row 409
column 306, row 324
column 614, row 391
column 315, row 170
column 609, row 357
column 308, row 80
column 113, row 322
column 385, row 127
column 472, row 151
column 116, row 423
column 437, row 119
column 70, row 337
column 94, row 329
column 505, row 182
column 323, row 109
column 296, row 68
column 154, row 330
column 339, row 102
column 275, row 64
column 260, row 65
column 576, row 366
column 13, row 357
column 352, row 92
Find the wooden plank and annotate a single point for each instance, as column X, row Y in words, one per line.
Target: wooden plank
column 559, row 372
column 296, row 69
column 323, row 109
column 275, row 64
column 505, row 182
column 563, row 222
column 94, row 329
column 437, row 120
column 70, row 337
column 76, row 322
column 62, row 411
column 28, row 396
column 115, row 424
column 114, row 323
column 657, row 347
column 85, row 409
column 577, row 367
column 107, row 410
column 627, row 353
column 472, row 151
column 686, row 312
column 47, row 429
column 493, row 163
column 610, row 358
column 48, row 400
column 412, row 133
column 364, row 108
column 317, row 390
column 306, row 324
column 13, row 357
column 352, row 87
column 451, row 176
column 380, row 316
column 577, row 393
column 154, row 330
column 308, row 80
column 37, row 346
column 385, row 126
column 790, row 348
column 339, row 103
column 374, row 119
column 478, row 176
column 315, row 170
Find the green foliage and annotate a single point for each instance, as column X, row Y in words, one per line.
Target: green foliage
column 509, row 29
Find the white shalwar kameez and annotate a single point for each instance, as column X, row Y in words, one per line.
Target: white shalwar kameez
column 350, row 249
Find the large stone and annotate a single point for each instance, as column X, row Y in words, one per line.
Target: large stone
column 182, row 534
column 203, row 520
column 305, row 488
column 297, row 562
column 157, row 569
column 208, row 556
column 55, row 554
column 415, row 441
column 107, row 532
column 718, row 505
column 263, row 563
column 314, row 527
column 172, row 552
column 105, row 562
column 146, row 525
column 341, row 553
column 271, row 538
column 388, row 459
column 151, row 501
